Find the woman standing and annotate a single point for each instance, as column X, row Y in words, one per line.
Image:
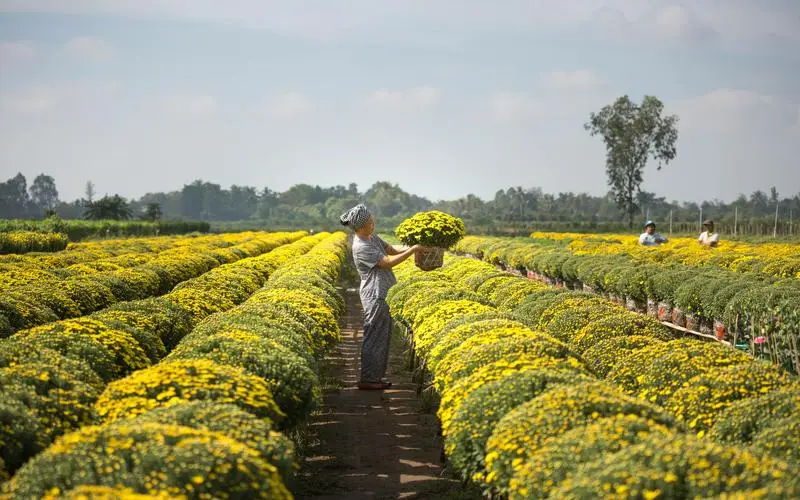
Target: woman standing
column 374, row 259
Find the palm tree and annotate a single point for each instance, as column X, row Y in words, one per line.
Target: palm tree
column 113, row 207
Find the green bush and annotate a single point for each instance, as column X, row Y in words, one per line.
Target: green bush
column 457, row 331
column 21, row 434
column 265, row 321
column 167, row 320
column 476, row 418
column 657, row 372
column 523, row 431
column 749, row 418
column 563, row 455
column 679, row 467
column 183, row 381
column 234, row 423
column 618, row 324
column 290, row 379
column 700, row 401
column 604, row 355
column 146, row 456
column 15, row 351
column 58, row 401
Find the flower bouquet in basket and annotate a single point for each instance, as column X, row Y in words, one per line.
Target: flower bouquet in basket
column 437, row 231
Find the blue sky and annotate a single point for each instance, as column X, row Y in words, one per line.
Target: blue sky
column 444, row 97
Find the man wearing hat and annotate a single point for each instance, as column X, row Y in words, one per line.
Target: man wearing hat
column 708, row 238
column 374, row 259
column 650, row 237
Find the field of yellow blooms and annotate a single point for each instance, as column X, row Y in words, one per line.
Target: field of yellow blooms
column 780, row 260
column 19, row 242
column 708, row 290
column 42, row 288
column 546, row 392
column 184, row 394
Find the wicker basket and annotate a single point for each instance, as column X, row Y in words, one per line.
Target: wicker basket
column 429, row 258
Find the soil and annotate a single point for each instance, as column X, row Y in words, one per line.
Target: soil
column 373, row 444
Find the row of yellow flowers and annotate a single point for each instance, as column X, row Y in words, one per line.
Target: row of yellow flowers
column 746, row 308
column 204, row 422
column 123, row 252
column 547, row 392
column 78, row 357
column 780, row 260
column 19, row 242
column 35, row 296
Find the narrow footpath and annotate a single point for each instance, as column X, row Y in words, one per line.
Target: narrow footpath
column 372, row 444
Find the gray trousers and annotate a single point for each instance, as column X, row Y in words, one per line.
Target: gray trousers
column 377, row 332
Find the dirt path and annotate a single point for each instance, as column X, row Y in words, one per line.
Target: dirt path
column 373, row 444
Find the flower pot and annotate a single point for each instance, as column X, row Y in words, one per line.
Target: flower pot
column 692, row 322
column 719, row 330
column 652, row 308
column 532, row 275
column 429, row 258
column 588, row 288
column 678, row 317
column 664, row 312
column 630, row 304
column 559, row 283
column 706, row 327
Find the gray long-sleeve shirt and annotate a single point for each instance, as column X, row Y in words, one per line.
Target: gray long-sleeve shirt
column 375, row 282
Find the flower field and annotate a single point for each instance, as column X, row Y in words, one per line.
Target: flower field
column 185, row 394
column 20, row 242
column 746, row 294
column 550, row 392
column 42, row 288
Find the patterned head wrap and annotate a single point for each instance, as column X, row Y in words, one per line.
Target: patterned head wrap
column 357, row 217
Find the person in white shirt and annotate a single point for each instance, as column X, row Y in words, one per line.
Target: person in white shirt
column 650, row 237
column 708, row 238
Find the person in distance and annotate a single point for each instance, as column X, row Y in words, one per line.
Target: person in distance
column 708, row 238
column 650, row 237
column 374, row 260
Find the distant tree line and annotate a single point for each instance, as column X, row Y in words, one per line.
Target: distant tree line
column 311, row 206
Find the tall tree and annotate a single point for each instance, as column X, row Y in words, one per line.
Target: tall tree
column 44, row 194
column 14, row 199
column 152, row 212
column 633, row 133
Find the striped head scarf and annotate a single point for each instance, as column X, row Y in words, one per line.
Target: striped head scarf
column 357, row 217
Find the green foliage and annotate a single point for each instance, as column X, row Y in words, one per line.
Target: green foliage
column 178, row 460
column 680, row 467
column 233, row 422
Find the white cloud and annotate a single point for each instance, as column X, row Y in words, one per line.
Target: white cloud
column 33, row 101
column 43, row 99
column 678, row 22
column 670, row 23
column 417, row 99
column 581, row 79
column 88, row 47
column 507, row 107
column 193, row 105
column 288, row 105
column 368, row 20
column 728, row 110
column 16, row 51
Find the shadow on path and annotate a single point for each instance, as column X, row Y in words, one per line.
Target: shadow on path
column 373, row 444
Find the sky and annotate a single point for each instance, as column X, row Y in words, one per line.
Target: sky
column 443, row 97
